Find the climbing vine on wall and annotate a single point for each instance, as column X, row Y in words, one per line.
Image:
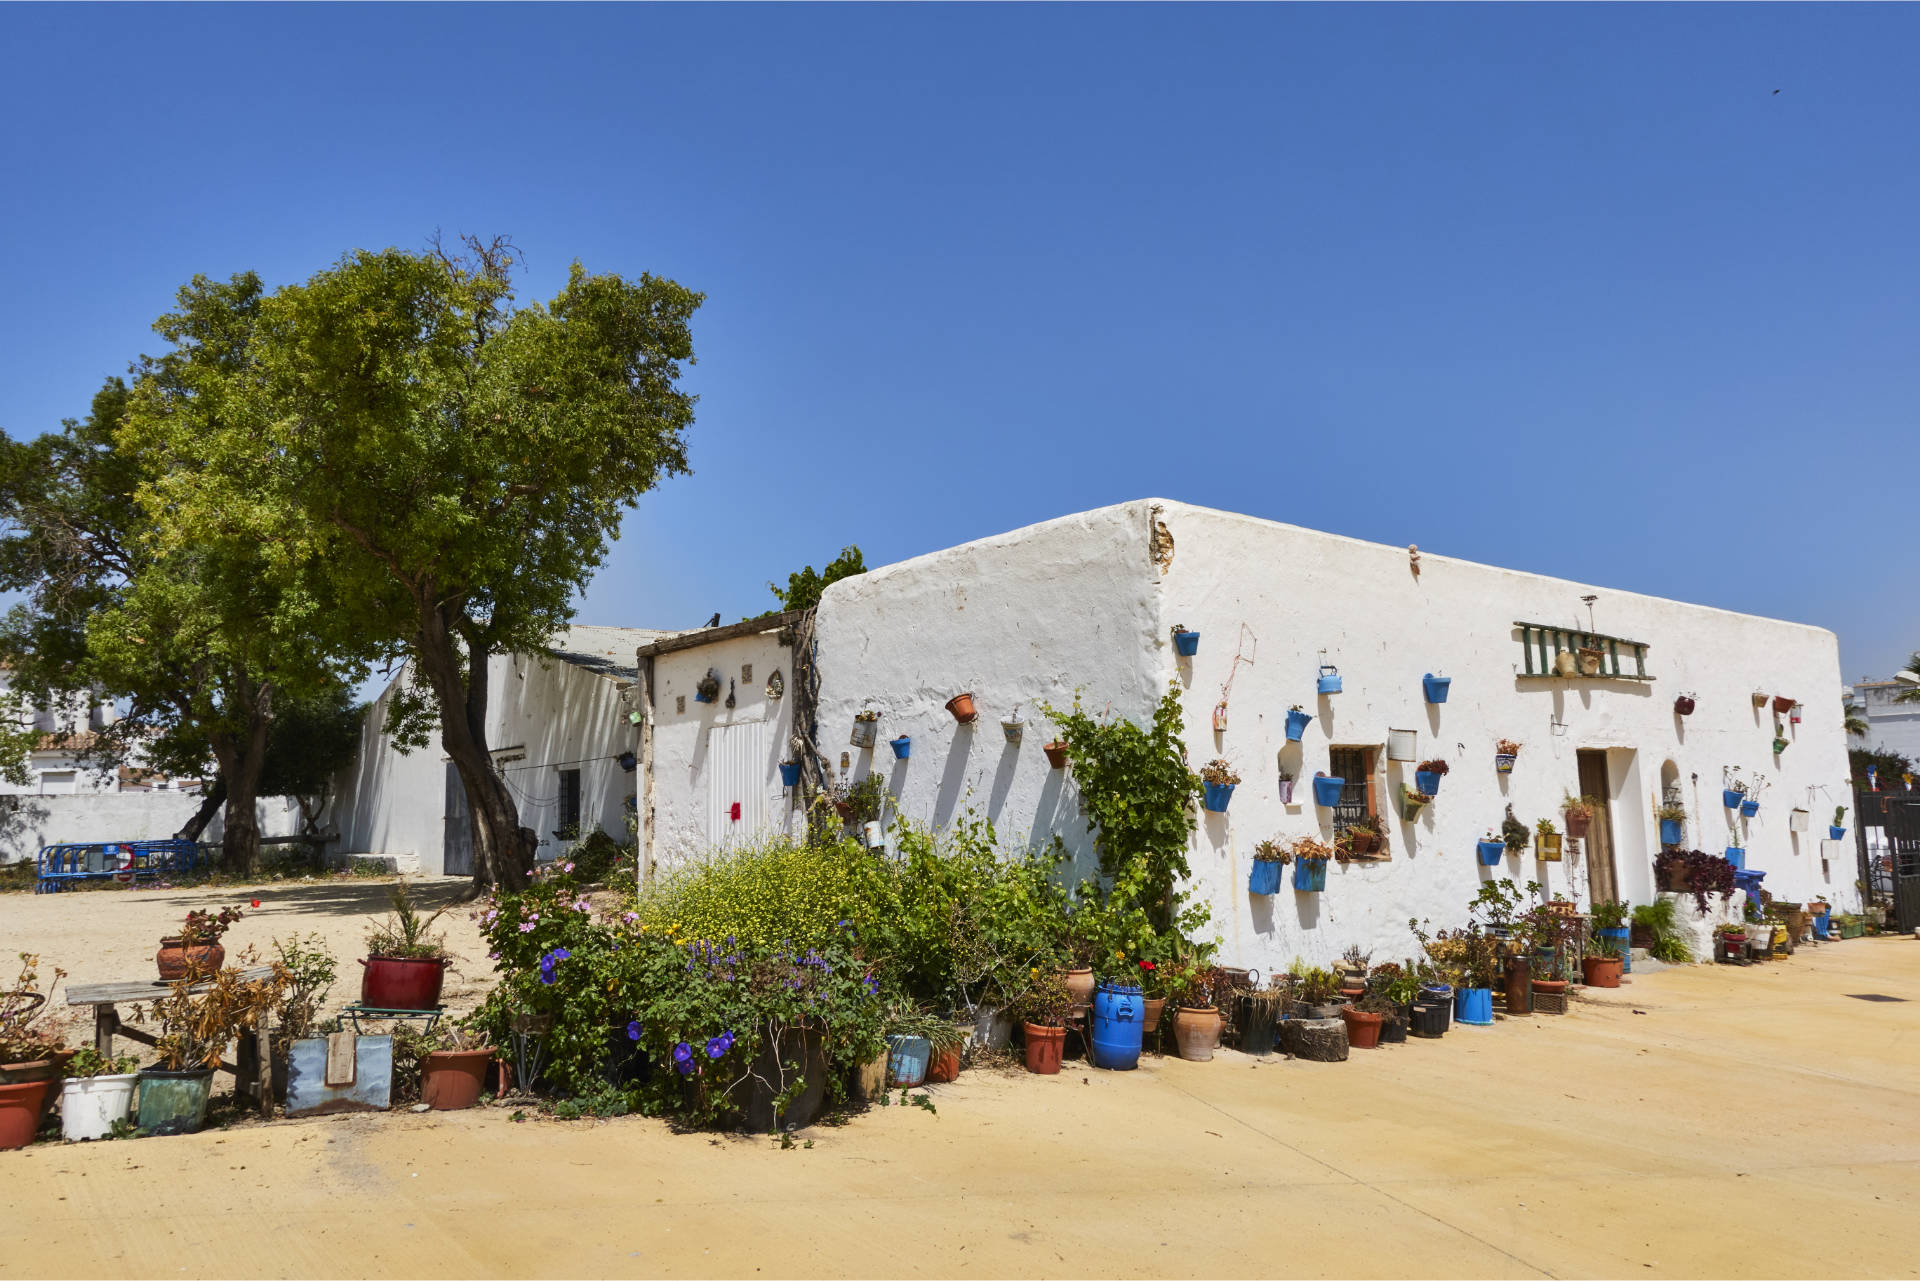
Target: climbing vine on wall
column 1137, row 795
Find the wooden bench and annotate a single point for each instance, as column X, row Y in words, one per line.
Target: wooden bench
column 252, row 1076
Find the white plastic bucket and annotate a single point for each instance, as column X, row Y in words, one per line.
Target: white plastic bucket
column 89, row 1105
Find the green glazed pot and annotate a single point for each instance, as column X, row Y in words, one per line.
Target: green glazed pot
column 174, row 1102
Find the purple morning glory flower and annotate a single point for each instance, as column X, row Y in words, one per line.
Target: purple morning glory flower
column 684, row 1069
column 682, row 1053
column 633, row 1030
column 716, row 1047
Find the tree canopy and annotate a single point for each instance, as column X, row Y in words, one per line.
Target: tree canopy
column 804, row 588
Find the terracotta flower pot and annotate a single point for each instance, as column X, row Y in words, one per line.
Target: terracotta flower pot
column 49, row 1069
column 1197, row 1032
column 1578, row 825
column 173, row 956
column 21, row 1105
column 1551, row 987
column 1150, row 1020
column 961, row 705
column 1079, row 985
column 1781, row 703
column 1044, row 1046
column 1601, row 971
column 944, row 1065
column 454, row 1079
column 1363, row 1029
column 1056, row 754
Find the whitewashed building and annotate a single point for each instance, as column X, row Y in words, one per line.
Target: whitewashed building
column 563, row 728
column 1088, row 603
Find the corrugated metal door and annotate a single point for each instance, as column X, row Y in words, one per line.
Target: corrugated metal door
column 736, row 766
column 456, row 844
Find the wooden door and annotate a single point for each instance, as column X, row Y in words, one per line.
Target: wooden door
column 456, row 840
column 1603, row 886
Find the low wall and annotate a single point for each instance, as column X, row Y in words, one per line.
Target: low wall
column 29, row 822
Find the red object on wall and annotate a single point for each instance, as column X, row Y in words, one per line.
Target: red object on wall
column 736, row 811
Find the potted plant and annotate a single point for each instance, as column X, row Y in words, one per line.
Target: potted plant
column 1782, row 703
column 1297, row 720
column 1310, row 865
column 97, row 1095
column 1436, row 687
column 789, row 773
column 1326, row 790
column 1602, row 962
column 1749, row 806
column 31, row 1056
column 1218, row 778
column 1490, row 848
column 405, row 963
column 1735, row 855
column 1185, row 642
column 1365, row 837
column 1684, row 705
column 1513, row 833
column 1546, row 841
column 1012, row 728
column 1505, row 751
column 1286, row 787
column 1693, row 872
column 1673, row 818
column 1196, row 1019
column 1353, row 972
column 453, row 1069
column 1316, row 993
column 1412, row 802
column 1056, row 754
column 1779, row 744
column 902, row 747
column 1579, row 811
column 1837, row 831
column 195, row 1028
column 1732, row 941
column 1364, row 1017
column 197, row 944
column 1427, row 776
column 961, row 705
column 1268, row 858
column 707, row 688
column 866, row 728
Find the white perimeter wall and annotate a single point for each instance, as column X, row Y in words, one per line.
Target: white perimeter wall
column 550, row 714
column 29, row 822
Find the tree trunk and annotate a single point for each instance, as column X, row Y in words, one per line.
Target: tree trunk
column 502, row 849
column 210, row 804
column 243, row 758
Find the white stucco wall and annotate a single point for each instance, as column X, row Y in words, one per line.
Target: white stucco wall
column 543, row 715
column 29, row 822
column 691, row 806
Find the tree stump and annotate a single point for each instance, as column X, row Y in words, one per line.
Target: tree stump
column 1321, row 1040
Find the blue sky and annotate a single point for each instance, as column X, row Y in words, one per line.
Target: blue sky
column 1565, row 288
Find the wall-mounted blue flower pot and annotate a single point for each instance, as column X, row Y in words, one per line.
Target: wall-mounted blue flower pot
column 1186, row 643
column 1310, row 875
column 1436, row 687
column 1749, row 808
column 1490, row 852
column 1730, row 798
column 1264, row 878
column 1329, row 680
column 1736, row 856
column 1296, row 725
column 902, row 747
column 1836, row 833
column 1326, row 791
column 1427, row 781
column 1669, row 831
column 1473, row 1005
column 1217, row 796
column 699, row 697
column 789, row 773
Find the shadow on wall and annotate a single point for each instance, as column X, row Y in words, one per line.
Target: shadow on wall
column 21, row 821
column 954, row 778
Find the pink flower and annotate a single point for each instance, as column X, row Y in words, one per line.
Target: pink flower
column 526, row 927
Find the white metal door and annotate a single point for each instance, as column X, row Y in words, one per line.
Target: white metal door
column 736, row 783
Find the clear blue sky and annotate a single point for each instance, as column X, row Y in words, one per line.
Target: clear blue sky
column 1564, row 288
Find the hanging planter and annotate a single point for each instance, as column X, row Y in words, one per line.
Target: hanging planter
column 1056, row 753
column 1731, row 797
column 866, row 729
column 789, row 773
column 1669, row 831
column 1216, row 796
column 1749, row 807
column 1590, row 660
column 1546, row 845
column 1427, row 777
column 1296, row 724
column 1264, row 877
column 1436, row 687
column 1683, row 705
column 1310, row 875
column 1403, row 745
column 902, row 747
column 1286, row 789
column 1836, row 833
column 1013, row 729
column 1781, row 703
column 708, row 687
column 1326, row 790
column 1217, row 779
column 1779, row 745
column 1219, row 718
column 1737, row 857
column 1329, row 679
column 1798, row 820
column 961, row 705
column 1185, row 643
column 1579, row 815
column 1505, row 752
column 1412, row 802
column 1793, row 717
column 1760, row 699
column 1490, row 852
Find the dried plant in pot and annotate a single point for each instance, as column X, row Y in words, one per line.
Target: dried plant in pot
column 200, row 1015
column 197, row 943
column 1579, row 812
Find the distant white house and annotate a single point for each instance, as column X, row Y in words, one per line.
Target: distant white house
column 1892, row 726
column 563, row 738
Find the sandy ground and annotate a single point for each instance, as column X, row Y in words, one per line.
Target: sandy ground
column 1704, row 1121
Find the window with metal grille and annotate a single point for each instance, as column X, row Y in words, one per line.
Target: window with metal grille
column 1354, row 765
column 569, row 826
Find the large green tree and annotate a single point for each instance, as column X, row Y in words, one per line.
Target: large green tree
column 459, row 463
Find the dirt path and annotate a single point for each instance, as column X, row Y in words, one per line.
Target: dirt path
column 1748, row 1122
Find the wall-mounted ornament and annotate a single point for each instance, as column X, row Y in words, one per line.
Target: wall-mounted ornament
column 776, row 684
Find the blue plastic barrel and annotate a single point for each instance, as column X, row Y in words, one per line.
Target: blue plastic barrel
column 1619, row 936
column 1427, row 780
column 1188, row 644
column 1264, row 878
column 1326, row 791
column 789, row 773
column 1119, row 1016
column 1296, row 724
column 1310, row 875
column 907, row 1059
column 1436, row 687
column 1474, row 1006
column 1670, row 831
column 1490, row 852
column 1217, row 796
column 902, row 747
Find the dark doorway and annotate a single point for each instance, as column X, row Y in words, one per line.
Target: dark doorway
column 456, row 842
column 1603, row 886
column 1903, row 841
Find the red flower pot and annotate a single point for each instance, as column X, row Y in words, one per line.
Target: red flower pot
column 1363, row 1029
column 1056, row 754
column 1044, row 1047
column 1578, row 824
column 453, row 1079
column 944, row 1065
column 174, row 954
column 20, row 1109
column 396, row 983
column 961, row 705
column 1602, row 971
